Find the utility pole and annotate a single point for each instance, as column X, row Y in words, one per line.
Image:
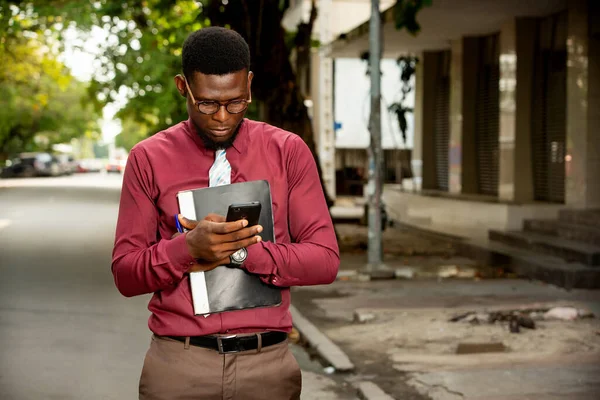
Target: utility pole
column 374, row 186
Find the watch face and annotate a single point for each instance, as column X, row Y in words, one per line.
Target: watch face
column 239, row 256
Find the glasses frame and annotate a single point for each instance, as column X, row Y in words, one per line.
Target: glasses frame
column 198, row 103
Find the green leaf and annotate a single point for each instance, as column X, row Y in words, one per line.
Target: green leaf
column 405, row 14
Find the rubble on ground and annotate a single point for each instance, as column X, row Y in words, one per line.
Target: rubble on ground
column 567, row 313
column 363, row 316
column 522, row 318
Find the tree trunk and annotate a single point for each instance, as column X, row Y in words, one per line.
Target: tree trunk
column 275, row 82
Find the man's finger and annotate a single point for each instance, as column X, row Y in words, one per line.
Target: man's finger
column 232, row 247
column 175, row 235
column 212, row 217
column 228, row 227
column 242, row 234
column 187, row 223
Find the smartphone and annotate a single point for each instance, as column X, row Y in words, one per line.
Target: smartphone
column 248, row 211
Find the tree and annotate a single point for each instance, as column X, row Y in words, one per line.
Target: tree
column 144, row 49
column 276, row 85
column 143, row 52
column 132, row 132
column 38, row 97
column 407, row 66
column 405, row 14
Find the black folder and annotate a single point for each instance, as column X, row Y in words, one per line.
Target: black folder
column 229, row 288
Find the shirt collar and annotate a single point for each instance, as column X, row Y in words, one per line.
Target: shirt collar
column 241, row 140
column 240, row 143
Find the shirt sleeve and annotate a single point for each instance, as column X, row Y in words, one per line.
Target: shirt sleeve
column 313, row 256
column 143, row 263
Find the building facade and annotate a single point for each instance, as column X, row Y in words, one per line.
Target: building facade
column 507, row 112
column 341, row 130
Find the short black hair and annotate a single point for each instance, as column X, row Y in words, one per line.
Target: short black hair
column 214, row 51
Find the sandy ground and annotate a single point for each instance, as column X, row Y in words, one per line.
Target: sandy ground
column 408, row 346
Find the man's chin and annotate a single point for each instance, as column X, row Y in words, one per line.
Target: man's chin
column 215, row 140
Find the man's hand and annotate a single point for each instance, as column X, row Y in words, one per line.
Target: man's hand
column 212, row 240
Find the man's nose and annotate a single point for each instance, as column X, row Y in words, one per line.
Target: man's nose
column 222, row 115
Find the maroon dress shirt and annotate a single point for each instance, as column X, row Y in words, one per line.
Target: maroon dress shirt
column 147, row 260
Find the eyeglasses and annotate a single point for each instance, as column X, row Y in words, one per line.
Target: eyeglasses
column 213, row 107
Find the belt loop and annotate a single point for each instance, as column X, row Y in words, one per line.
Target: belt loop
column 259, row 347
column 187, row 343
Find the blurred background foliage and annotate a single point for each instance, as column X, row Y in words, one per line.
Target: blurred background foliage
column 40, row 103
column 139, row 58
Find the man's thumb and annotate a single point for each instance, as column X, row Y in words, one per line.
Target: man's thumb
column 187, row 223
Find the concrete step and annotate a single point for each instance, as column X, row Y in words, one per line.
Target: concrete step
column 545, row 268
column 567, row 230
column 526, row 263
column 589, row 217
column 568, row 250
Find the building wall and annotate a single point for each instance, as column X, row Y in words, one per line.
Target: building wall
column 583, row 103
column 345, row 14
column 508, row 107
column 462, row 210
column 517, row 40
column 333, row 18
column 456, row 116
column 419, row 110
column 465, row 217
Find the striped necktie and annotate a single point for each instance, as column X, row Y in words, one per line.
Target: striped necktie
column 220, row 172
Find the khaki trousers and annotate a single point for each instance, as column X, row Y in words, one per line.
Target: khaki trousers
column 174, row 371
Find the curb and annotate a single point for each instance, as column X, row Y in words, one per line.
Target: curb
column 334, row 355
column 321, row 343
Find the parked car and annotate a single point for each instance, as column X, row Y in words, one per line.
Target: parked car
column 116, row 166
column 67, row 164
column 32, row 164
column 90, row 165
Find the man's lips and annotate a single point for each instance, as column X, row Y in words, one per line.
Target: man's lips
column 220, row 131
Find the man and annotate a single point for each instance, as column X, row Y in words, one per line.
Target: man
column 185, row 360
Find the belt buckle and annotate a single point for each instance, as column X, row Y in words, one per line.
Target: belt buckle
column 220, row 344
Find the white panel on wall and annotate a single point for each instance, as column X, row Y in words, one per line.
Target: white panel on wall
column 352, row 104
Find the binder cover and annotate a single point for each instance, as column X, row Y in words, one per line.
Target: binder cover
column 226, row 288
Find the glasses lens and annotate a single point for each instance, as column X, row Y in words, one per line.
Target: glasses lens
column 208, row 108
column 237, row 107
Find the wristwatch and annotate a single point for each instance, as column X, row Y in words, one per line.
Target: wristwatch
column 238, row 257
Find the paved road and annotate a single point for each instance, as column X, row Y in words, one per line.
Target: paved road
column 66, row 332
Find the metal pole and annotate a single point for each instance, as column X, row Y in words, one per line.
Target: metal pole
column 374, row 186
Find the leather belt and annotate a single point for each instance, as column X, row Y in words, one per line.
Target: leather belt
column 234, row 343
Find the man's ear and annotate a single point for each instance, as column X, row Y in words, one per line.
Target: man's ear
column 250, row 76
column 180, row 83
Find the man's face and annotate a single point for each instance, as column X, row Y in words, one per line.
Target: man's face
column 217, row 130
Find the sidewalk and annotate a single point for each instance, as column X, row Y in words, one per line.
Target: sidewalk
column 398, row 335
